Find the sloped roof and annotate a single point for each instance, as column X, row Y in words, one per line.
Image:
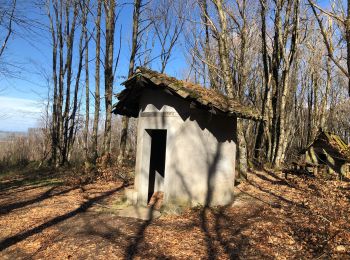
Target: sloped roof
column 208, row 99
column 333, row 144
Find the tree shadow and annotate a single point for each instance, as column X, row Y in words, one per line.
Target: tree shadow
column 135, row 241
column 82, row 208
column 235, row 243
column 284, row 181
column 211, row 251
column 221, row 223
column 279, row 197
column 28, row 177
column 273, row 205
column 23, row 188
column 279, row 180
column 5, row 209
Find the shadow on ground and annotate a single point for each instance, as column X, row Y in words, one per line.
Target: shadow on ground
column 306, row 223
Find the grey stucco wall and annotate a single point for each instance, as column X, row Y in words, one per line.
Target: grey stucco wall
column 200, row 151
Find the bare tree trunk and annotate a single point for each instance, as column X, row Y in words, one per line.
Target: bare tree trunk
column 59, row 20
column 282, row 123
column 54, row 128
column 94, row 152
column 85, row 8
column 223, row 51
column 276, row 61
column 242, row 76
column 62, row 27
column 57, row 33
column 347, row 37
column 72, row 128
column 326, row 94
column 285, row 85
column 134, row 48
column 205, row 15
column 309, row 108
column 109, row 77
column 72, row 118
column 242, row 150
column 265, row 107
column 69, row 35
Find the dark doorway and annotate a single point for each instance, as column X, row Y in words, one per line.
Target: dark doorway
column 157, row 162
column 322, row 158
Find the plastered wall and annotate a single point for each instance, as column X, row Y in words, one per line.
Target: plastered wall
column 200, row 151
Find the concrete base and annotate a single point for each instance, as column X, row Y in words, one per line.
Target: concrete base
column 139, row 212
column 131, row 196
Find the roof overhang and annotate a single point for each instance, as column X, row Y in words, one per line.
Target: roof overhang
column 200, row 97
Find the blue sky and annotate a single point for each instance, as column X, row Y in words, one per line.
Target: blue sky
column 23, row 95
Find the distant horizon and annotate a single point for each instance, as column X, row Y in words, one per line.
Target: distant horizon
column 5, row 131
column 19, row 114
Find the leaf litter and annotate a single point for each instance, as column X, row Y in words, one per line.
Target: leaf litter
column 272, row 218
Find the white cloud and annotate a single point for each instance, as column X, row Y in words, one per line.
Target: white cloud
column 18, row 114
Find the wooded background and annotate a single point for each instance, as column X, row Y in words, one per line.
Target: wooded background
column 290, row 59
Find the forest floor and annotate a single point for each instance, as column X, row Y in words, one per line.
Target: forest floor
column 41, row 217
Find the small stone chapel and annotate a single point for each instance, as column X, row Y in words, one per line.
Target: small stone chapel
column 186, row 144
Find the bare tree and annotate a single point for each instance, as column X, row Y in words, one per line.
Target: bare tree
column 341, row 16
column 7, row 17
column 222, row 36
column 85, row 7
column 109, row 6
column 232, row 51
column 168, row 26
column 68, row 120
column 277, row 70
column 94, row 152
column 135, row 45
column 55, row 117
column 266, row 110
column 287, row 58
column 65, row 105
